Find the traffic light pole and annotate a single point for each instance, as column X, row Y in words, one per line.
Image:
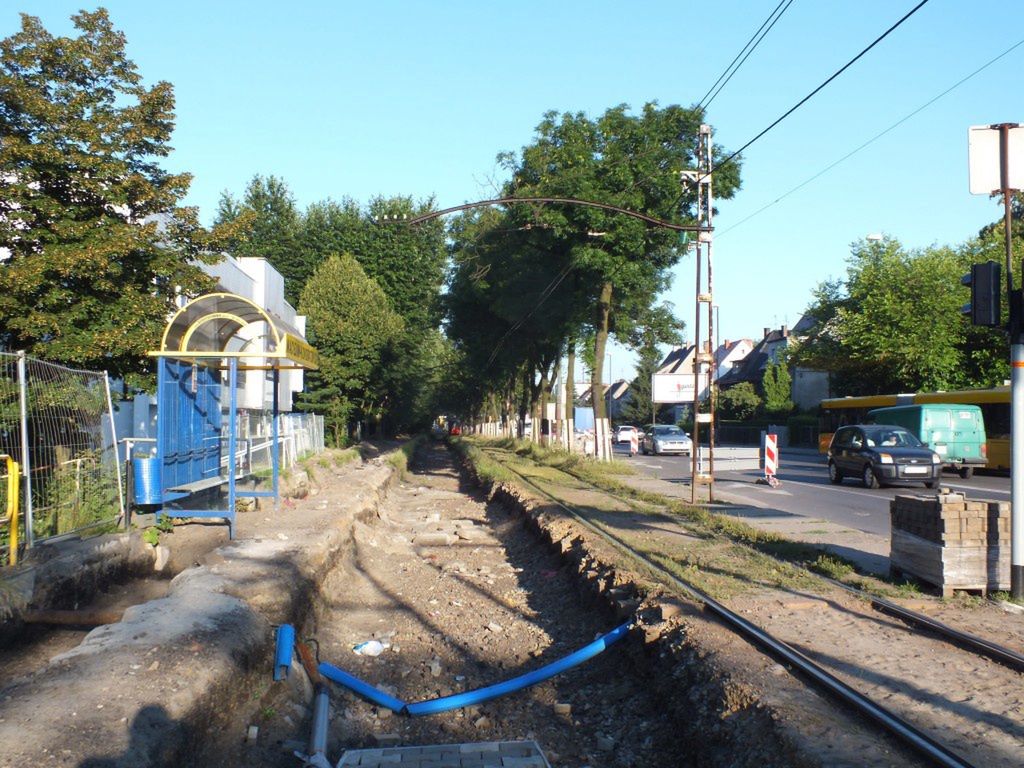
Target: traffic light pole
column 1016, row 380
column 1016, row 464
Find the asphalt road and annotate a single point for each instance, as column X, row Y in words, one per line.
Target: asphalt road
column 805, row 490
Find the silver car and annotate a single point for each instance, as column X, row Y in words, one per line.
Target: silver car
column 666, row 438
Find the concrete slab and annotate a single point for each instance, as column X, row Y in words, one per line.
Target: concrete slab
column 487, row 754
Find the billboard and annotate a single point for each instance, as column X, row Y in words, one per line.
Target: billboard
column 672, row 388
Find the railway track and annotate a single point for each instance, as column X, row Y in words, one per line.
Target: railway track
column 814, row 673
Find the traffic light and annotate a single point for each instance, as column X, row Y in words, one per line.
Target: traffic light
column 984, row 282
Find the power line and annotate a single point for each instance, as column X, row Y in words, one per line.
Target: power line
column 836, row 74
column 874, row 138
column 705, row 102
column 544, row 295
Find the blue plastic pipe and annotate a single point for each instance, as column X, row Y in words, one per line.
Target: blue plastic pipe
column 365, row 690
column 469, row 698
column 283, row 651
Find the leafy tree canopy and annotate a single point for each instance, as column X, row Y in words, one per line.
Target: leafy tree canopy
column 351, row 322
column 739, row 402
column 551, row 275
column 777, row 385
column 268, row 227
column 95, row 243
column 894, row 324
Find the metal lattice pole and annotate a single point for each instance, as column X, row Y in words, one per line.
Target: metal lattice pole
column 703, row 351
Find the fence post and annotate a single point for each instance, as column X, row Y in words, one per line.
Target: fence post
column 26, row 463
column 113, row 440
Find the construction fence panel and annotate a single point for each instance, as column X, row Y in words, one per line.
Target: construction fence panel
column 56, row 422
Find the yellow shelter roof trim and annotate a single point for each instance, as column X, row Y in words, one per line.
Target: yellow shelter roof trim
column 205, row 327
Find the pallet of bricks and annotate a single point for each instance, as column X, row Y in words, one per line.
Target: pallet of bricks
column 951, row 543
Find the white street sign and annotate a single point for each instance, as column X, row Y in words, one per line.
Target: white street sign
column 983, row 159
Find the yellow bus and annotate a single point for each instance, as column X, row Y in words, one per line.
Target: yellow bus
column 994, row 404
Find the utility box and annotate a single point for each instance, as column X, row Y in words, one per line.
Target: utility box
column 951, row 543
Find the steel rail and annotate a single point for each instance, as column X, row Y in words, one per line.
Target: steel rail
column 964, row 640
column 891, row 722
column 980, row 645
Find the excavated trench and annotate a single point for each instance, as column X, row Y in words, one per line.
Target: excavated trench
column 461, row 592
column 461, row 588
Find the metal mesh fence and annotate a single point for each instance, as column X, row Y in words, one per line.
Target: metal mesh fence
column 299, row 435
column 56, row 423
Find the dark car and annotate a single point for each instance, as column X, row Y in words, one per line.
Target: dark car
column 879, row 454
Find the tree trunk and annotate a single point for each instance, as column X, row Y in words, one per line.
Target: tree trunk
column 545, row 398
column 524, row 401
column 604, row 305
column 570, row 398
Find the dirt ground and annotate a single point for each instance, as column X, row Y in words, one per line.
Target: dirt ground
column 457, row 613
column 462, row 594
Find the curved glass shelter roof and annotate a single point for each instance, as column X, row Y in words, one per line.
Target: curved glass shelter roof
column 212, row 326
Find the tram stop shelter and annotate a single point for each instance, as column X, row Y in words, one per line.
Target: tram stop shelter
column 198, row 450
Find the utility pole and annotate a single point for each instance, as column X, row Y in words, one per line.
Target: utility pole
column 986, row 143
column 703, row 353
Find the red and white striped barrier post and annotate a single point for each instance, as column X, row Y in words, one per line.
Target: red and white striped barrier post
column 771, row 459
column 634, row 443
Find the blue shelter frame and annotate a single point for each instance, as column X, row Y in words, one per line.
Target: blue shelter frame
column 212, row 335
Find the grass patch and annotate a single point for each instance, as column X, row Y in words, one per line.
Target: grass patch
column 723, row 557
column 400, row 459
column 833, row 567
column 487, row 470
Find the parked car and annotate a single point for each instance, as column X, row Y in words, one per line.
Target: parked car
column 665, row 438
column 955, row 432
column 625, row 434
column 879, row 454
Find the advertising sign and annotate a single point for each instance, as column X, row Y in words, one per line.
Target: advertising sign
column 672, row 388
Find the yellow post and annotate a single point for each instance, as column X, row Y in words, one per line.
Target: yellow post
column 12, row 507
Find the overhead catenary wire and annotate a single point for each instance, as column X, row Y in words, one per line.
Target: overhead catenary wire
column 544, row 295
column 832, row 77
column 873, row 139
column 756, row 39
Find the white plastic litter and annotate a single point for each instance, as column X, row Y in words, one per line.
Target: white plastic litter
column 369, row 648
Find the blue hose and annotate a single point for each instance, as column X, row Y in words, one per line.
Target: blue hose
column 459, row 700
column 283, row 651
column 365, row 690
column 469, row 698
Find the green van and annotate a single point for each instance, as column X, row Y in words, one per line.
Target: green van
column 955, row 432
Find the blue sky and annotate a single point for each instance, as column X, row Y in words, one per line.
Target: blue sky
column 344, row 99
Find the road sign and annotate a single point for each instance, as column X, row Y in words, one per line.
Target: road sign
column 983, row 158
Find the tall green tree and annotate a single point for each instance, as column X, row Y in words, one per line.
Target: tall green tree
column 777, row 385
column 268, row 226
column 894, row 323
column 352, row 324
column 95, row 243
column 632, row 161
column 638, row 409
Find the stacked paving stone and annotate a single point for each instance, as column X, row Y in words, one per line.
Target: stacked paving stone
column 490, row 754
column 950, row 542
